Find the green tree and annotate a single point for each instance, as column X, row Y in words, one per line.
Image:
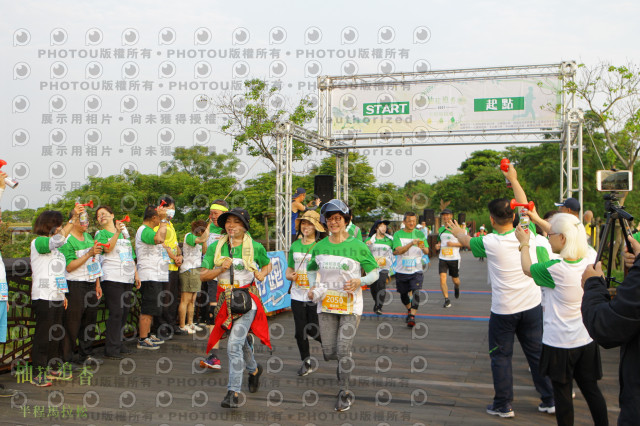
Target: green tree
column 251, row 119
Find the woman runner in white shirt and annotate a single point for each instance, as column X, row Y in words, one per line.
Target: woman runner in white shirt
column 568, row 352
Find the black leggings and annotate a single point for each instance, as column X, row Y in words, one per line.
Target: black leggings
column 118, row 298
column 378, row 289
column 80, row 319
column 305, row 318
column 48, row 333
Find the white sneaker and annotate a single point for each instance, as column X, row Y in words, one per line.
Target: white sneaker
column 187, row 329
column 195, row 327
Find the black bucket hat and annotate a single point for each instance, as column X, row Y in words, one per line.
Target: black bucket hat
column 241, row 214
column 377, row 223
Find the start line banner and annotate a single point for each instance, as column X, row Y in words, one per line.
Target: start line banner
column 471, row 105
column 274, row 289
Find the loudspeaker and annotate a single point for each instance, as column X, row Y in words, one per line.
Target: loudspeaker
column 420, row 219
column 324, row 187
column 430, row 217
column 462, row 218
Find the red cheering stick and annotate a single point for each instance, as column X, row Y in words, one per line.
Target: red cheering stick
column 504, row 164
column 11, row 182
column 162, row 203
column 90, row 204
column 107, row 245
column 125, row 219
column 528, row 205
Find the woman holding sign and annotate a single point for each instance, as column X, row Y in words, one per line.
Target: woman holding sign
column 83, row 274
column 120, row 273
column 48, row 300
column 335, row 284
column 305, row 314
column 237, row 261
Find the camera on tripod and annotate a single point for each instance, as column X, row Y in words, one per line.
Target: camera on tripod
column 612, row 182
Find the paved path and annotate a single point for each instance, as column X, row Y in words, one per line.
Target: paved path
column 437, row 374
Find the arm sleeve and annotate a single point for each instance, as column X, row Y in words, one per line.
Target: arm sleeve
column 147, row 236
column 370, row 278
column 541, row 275
column 614, row 322
column 190, row 239
column 318, row 292
column 477, row 247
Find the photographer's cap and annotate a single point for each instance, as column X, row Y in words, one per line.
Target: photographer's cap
column 570, row 203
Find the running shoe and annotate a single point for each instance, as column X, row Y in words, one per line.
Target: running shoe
column 254, row 380
column 230, row 400
column 194, row 327
column 212, row 362
column 7, row 393
column 547, row 408
column 412, row 321
column 156, row 340
column 187, row 329
column 305, row 369
column 59, row 375
column 147, row 344
column 344, row 401
column 447, row 303
column 41, row 381
column 457, row 291
column 378, row 310
column 505, row 411
column 406, row 319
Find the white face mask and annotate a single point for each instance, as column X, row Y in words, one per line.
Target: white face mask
column 170, row 214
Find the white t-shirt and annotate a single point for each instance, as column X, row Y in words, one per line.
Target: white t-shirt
column 410, row 261
column 48, row 266
column 511, row 290
column 191, row 253
column 299, row 257
column 117, row 265
column 562, row 292
column 153, row 259
column 446, row 252
column 382, row 251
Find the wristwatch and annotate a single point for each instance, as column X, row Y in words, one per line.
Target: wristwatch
column 164, row 221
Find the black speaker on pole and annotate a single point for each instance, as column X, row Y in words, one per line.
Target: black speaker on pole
column 324, row 187
column 430, row 217
column 462, row 218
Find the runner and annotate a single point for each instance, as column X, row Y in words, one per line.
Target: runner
column 335, row 263
column 380, row 244
column 353, row 230
column 481, row 233
column 409, row 245
column 305, row 313
column 449, row 258
column 153, row 270
column 190, row 274
column 218, row 207
column 166, row 324
column 568, row 352
column 234, row 259
column 515, row 302
column 297, row 208
column 120, row 274
column 83, row 274
column 48, row 300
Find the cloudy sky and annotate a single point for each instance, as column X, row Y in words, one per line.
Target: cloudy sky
column 92, row 88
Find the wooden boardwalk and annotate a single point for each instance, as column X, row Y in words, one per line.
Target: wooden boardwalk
column 437, row 373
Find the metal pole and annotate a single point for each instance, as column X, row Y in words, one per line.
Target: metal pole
column 279, row 228
column 580, row 170
column 345, row 177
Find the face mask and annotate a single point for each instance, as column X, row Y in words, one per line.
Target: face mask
column 170, row 214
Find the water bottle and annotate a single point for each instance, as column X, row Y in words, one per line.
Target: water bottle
column 504, row 166
column 125, row 233
column 84, row 218
column 524, row 220
column 11, row 182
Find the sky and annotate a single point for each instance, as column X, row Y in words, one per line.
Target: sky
column 66, row 115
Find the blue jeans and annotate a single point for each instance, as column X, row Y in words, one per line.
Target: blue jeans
column 527, row 325
column 239, row 352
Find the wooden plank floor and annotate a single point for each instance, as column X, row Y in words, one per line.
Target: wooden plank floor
column 437, row 373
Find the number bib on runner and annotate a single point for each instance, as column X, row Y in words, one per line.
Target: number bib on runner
column 61, row 285
column 337, row 302
column 302, row 280
column 447, row 251
column 126, row 256
column 410, row 262
column 165, row 255
column 382, row 261
column 94, row 269
column 4, row 291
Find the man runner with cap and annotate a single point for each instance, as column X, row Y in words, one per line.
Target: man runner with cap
column 570, row 205
column 449, row 258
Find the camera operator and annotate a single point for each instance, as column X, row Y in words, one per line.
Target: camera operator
column 616, row 322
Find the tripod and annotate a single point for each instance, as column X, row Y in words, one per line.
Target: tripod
column 615, row 212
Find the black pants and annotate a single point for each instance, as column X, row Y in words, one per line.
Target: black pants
column 118, row 298
column 583, row 365
column 378, row 290
column 48, row 333
column 205, row 297
column 170, row 301
column 80, row 319
column 305, row 318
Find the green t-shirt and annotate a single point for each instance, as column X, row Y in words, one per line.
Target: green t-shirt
column 409, row 262
column 354, row 231
column 333, row 257
column 74, row 249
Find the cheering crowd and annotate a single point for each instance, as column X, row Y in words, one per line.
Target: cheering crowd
column 536, row 275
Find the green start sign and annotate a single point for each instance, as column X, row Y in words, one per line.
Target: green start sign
column 498, row 104
column 385, row 108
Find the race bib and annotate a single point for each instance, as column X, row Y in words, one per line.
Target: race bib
column 126, row 256
column 382, row 261
column 447, row 251
column 337, row 302
column 165, row 255
column 4, row 291
column 94, row 269
column 409, row 262
column 61, row 285
column 302, row 280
